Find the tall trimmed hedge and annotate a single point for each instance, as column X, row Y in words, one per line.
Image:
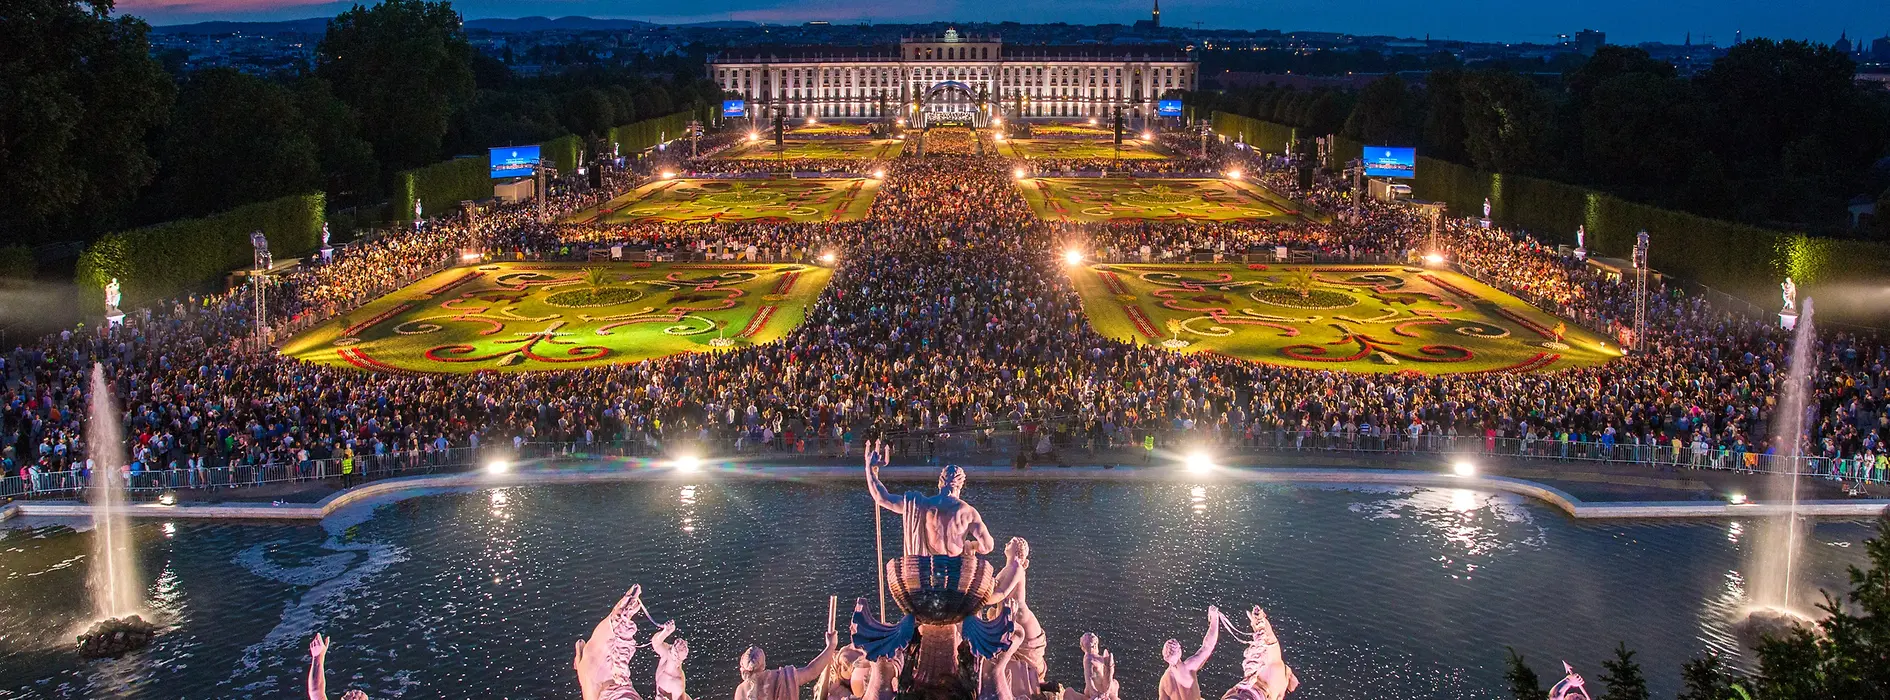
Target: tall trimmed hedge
column 1264, row 135
column 1745, row 261
column 441, row 185
column 637, row 136
column 162, row 261
column 562, row 152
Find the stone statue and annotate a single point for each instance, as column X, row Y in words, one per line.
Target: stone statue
column 324, row 234
column 416, row 209
column 1264, row 674
column 933, row 525
column 318, row 675
column 1571, row 687
column 1486, row 207
column 762, row 683
column 837, row 682
column 603, row 662
column 112, row 295
column 1791, row 295
column 1099, row 672
column 670, row 683
column 1179, row 681
column 1021, row 671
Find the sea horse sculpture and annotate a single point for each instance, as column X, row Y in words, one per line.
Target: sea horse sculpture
column 1264, row 674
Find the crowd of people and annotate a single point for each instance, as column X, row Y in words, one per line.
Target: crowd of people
column 951, row 311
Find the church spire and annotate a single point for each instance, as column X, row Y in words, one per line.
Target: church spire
column 1155, row 18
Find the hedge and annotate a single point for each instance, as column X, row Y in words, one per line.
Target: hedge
column 636, row 136
column 562, row 153
column 17, row 263
column 441, row 186
column 1264, row 135
column 165, row 260
column 1741, row 260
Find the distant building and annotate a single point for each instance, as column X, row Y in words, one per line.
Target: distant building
column 952, row 73
column 1154, row 20
column 1587, row 41
column 1843, row 44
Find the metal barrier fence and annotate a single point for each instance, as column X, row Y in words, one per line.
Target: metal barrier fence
column 1019, row 448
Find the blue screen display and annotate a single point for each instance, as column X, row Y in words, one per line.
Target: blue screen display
column 1168, row 108
column 514, row 161
column 734, row 108
column 1390, row 161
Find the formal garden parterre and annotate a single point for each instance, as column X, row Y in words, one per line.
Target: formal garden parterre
column 1357, row 318
column 776, row 200
column 813, row 149
column 1079, row 149
column 1097, row 199
column 521, row 316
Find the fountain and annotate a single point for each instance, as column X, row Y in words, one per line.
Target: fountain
column 113, row 581
column 1774, row 556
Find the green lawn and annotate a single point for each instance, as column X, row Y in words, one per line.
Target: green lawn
column 828, row 128
column 1100, row 128
column 830, row 149
column 1092, row 200
column 1086, row 149
column 536, row 316
column 1349, row 317
column 781, row 200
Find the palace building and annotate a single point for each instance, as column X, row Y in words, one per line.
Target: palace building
column 951, row 75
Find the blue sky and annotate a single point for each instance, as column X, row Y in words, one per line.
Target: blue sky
column 1625, row 21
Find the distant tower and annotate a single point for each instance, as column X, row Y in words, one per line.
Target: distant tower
column 1843, row 44
column 1155, row 18
column 1739, row 37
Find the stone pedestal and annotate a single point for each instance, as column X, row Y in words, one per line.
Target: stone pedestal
column 1788, row 319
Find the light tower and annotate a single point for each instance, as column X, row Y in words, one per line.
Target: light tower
column 263, row 261
column 1640, row 290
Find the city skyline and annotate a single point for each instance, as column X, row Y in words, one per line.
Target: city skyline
column 1624, row 21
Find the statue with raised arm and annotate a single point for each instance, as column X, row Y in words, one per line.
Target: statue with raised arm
column 1790, row 292
column 1180, row 681
column 1486, row 207
column 670, row 683
column 940, row 524
column 113, row 295
column 603, row 661
column 762, row 683
column 1264, row 674
column 1099, row 672
column 1023, row 669
column 1571, row 687
column 318, row 674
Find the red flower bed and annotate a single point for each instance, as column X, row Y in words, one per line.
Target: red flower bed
column 758, row 322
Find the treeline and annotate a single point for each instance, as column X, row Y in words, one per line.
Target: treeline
column 1775, row 134
column 95, row 136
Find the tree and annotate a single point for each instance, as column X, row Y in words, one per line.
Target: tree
column 79, row 95
column 1506, row 122
column 234, row 139
column 1384, row 114
column 351, row 174
column 1623, row 677
column 1523, row 683
column 403, row 67
column 1443, row 128
column 1705, row 678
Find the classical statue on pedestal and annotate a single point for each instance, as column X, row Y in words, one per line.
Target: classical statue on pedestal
column 1264, row 674
column 1790, row 292
column 941, row 524
column 1099, row 672
column 1179, row 682
column 1571, row 687
column 603, row 661
column 762, row 683
column 1020, row 672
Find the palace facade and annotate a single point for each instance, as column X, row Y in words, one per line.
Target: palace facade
column 953, row 74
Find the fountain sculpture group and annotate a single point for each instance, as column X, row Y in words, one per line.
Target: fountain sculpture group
column 967, row 630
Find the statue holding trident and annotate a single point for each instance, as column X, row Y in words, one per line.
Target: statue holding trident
column 939, row 581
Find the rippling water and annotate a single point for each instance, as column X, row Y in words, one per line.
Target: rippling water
column 1375, row 592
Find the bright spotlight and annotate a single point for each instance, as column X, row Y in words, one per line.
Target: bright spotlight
column 1433, row 259
column 1198, row 462
column 827, row 258
column 1092, row 121
column 1073, row 257
column 999, row 138
column 168, row 498
column 498, row 466
column 1233, row 174
column 688, row 463
column 998, row 121
column 1148, row 136
column 1464, row 468
column 879, row 174
column 1017, row 173
column 754, row 136
column 667, row 175
column 1737, row 499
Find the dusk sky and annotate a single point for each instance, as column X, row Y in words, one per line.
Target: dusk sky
column 1625, row 21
